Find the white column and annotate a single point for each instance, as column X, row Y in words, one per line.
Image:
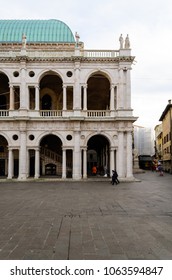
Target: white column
column 37, row 163
column 37, row 98
column 120, row 154
column 22, row 156
column 77, row 90
column 120, row 95
column 112, row 160
column 64, row 164
column 85, row 98
column 112, row 98
column 10, row 164
column 64, row 98
column 77, row 157
column 11, row 107
column 23, row 92
column 85, row 163
column 128, row 90
column 129, row 155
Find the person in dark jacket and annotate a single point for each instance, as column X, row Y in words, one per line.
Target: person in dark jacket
column 115, row 177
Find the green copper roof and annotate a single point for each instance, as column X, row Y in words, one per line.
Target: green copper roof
column 35, row 30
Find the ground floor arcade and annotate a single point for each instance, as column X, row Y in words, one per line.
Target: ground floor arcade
column 73, row 158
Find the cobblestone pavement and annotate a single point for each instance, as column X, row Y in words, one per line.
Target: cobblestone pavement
column 87, row 220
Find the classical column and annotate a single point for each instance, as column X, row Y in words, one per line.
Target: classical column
column 85, row 163
column 64, row 163
column 128, row 90
column 23, row 92
column 37, row 98
column 37, row 163
column 11, row 107
column 22, row 156
column 10, row 164
column 77, row 157
column 77, row 90
column 85, row 98
column 64, row 98
column 120, row 97
column 129, row 155
column 112, row 98
column 112, row 159
column 120, row 154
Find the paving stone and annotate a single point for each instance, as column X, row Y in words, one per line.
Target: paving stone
column 64, row 220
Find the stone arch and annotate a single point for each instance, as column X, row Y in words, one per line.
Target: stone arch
column 51, row 84
column 103, row 72
column 98, row 91
column 4, row 91
column 44, row 73
column 51, row 155
column 98, row 154
column 3, row 155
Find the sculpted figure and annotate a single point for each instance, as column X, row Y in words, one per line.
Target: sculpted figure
column 121, row 40
column 77, row 38
column 23, row 41
column 127, row 42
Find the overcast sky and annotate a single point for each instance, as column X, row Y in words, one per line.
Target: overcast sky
column 100, row 23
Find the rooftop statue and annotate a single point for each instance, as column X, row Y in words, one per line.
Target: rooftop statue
column 77, row 38
column 127, row 42
column 23, row 41
column 121, row 40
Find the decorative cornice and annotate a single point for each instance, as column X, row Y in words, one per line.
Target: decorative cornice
column 68, row 59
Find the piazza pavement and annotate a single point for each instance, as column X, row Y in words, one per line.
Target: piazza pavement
column 90, row 220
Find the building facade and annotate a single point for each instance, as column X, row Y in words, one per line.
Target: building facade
column 166, row 119
column 63, row 109
column 158, row 142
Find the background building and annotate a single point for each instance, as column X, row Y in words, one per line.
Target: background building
column 63, row 109
column 166, row 119
column 143, row 140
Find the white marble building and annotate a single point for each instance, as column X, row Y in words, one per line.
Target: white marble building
column 63, row 109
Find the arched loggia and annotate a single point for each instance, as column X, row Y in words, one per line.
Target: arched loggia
column 98, row 155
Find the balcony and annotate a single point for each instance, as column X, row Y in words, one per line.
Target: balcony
column 48, row 114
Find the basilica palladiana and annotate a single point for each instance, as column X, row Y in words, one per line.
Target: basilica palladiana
column 63, row 108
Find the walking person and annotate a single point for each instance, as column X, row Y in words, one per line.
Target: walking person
column 115, row 177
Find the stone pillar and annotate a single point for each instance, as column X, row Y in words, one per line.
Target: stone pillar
column 10, row 163
column 77, row 156
column 37, row 163
column 11, row 107
column 64, row 164
column 128, row 90
column 23, row 92
column 22, row 156
column 85, row 98
column 37, row 98
column 85, row 163
column 64, row 98
column 112, row 160
column 120, row 154
column 112, row 98
column 120, row 96
column 129, row 161
column 77, row 90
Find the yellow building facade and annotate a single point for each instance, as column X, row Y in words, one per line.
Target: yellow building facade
column 166, row 119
